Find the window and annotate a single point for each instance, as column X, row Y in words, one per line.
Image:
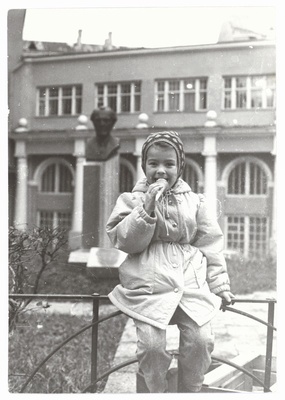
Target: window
column 251, row 92
column 248, row 234
column 127, row 175
column 181, row 95
column 247, row 217
column 54, row 219
column 56, row 179
column 123, row 97
column 59, row 100
column 235, row 233
column 248, row 179
column 191, row 177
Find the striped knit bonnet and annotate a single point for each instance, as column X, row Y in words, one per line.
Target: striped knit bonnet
column 170, row 137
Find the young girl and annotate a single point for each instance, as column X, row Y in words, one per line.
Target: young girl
column 175, row 271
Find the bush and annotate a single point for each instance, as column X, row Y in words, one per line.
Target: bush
column 250, row 275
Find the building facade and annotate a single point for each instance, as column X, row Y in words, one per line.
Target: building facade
column 219, row 97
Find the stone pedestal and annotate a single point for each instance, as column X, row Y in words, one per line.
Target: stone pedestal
column 100, row 192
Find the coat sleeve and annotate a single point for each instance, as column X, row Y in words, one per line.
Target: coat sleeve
column 209, row 240
column 129, row 227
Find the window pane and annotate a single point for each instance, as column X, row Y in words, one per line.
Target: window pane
column 228, row 83
column 240, row 99
column 46, row 219
column 112, row 103
column 256, row 99
column 235, row 233
column 160, row 86
column 126, row 179
column 174, row 85
column 258, row 241
column 160, row 102
column 137, row 87
column 258, row 180
column 203, row 84
column 189, row 102
column 203, row 101
column 64, row 220
column 227, row 100
column 190, row 176
column 53, row 92
column 67, row 91
column 236, row 181
column 137, row 103
column 126, row 104
column 66, row 106
column 112, row 89
column 78, row 106
column 189, row 84
column 173, row 101
column 48, row 179
column 126, row 88
column 53, row 107
column 65, row 179
column 42, row 107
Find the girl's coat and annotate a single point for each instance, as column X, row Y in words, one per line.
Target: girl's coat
column 174, row 258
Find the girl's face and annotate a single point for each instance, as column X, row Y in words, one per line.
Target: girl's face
column 161, row 163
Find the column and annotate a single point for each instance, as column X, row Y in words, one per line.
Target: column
column 211, row 182
column 21, row 193
column 138, row 154
column 210, row 153
column 77, row 217
column 273, row 237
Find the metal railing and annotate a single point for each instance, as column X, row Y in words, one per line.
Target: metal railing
column 96, row 299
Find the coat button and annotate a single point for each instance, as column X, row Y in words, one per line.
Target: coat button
column 176, row 290
column 174, row 224
column 174, row 265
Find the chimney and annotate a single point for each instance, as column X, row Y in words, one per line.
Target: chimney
column 79, row 38
column 108, row 42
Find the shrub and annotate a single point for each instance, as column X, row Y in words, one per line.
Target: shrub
column 250, row 275
column 38, row 247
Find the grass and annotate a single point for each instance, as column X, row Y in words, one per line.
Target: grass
column 69, row 370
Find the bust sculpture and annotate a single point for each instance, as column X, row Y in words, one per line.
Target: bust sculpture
column 103, row 146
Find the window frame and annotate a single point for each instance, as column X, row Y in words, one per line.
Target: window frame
column 161, row 96
column 118, row 96
column 247, row 232
column 231, row 92
column 44, row 101
column 247, row 180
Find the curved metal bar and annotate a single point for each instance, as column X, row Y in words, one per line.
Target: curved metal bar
column 110, row 371
column 64, row 343
column 244, row 370
column 245, row 314
column 134, row 360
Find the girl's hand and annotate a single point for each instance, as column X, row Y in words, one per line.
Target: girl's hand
column 227, row 296
column 153, row 190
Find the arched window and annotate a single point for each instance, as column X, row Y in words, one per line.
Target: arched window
column 247, row 218
column 55, row 193
column 247, row 178
column 127, row 175
column 192, row 175
column 56, row 178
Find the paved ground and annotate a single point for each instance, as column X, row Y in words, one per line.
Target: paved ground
column 235, row 335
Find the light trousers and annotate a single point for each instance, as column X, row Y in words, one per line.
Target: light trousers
column 195, row 347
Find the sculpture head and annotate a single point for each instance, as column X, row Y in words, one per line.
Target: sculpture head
column 103, row 119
